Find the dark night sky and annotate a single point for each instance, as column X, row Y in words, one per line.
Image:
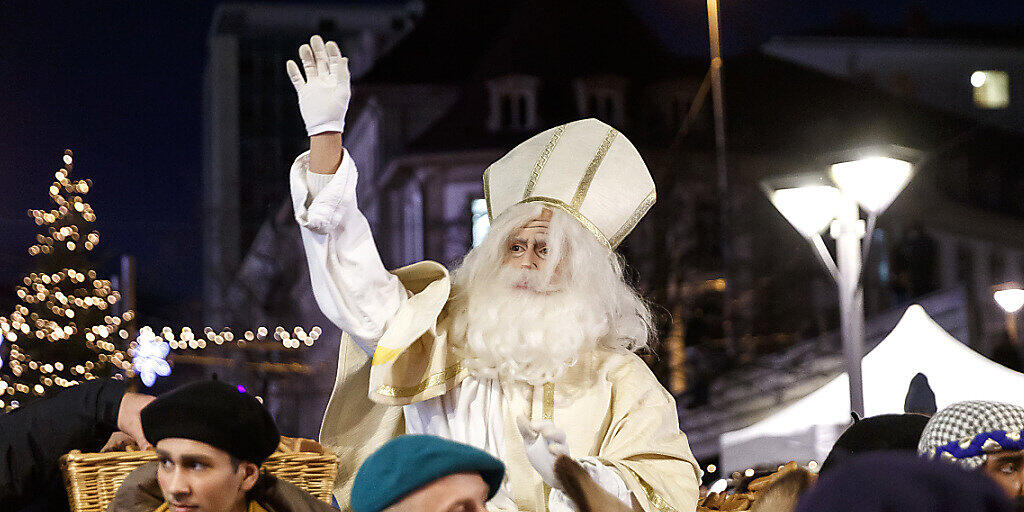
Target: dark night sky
column 120, row 84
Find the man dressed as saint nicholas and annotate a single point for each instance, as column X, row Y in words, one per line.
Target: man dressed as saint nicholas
column 527, row 349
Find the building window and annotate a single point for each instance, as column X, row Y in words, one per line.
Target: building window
column 513, row 103
column 991, row 89
column 601, row 97
column 481, row 224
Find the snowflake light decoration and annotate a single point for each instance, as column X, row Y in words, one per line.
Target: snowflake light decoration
column 150, row 356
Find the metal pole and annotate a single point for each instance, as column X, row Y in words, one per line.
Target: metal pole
column 126, row 284
column 1013, row 334
column 1011, row 327
column 851, row 296
column 722, row 174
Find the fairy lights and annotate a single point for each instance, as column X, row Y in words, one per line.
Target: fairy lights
column 66, row 328
column 261, row 338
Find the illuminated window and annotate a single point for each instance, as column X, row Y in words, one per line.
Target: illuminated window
column 991, row 89
column 481, row 224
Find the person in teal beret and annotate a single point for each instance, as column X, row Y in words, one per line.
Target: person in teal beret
column 426, row 474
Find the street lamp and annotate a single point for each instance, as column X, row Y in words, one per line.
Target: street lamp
column 868, row 178
column 1010, row 297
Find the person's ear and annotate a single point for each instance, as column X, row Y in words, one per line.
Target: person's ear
column 250, row 474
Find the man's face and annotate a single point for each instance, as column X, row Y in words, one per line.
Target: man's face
column 461, row 492
column 1007, row 469
column 527, row 248
column 196, row 477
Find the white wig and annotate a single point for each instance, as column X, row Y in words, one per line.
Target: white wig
column 587, row 303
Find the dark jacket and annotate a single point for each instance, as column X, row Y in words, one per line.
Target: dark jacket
column 33, row 438
column 140, row 492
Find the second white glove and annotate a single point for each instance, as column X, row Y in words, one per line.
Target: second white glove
column 325, row 92
column 544, row 442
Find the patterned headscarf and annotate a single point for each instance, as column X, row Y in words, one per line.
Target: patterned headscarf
column 966, row 432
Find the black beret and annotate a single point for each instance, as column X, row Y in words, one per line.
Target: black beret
column 885, row 432
column 214, row 413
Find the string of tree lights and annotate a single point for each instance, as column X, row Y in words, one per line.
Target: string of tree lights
column 66, row 327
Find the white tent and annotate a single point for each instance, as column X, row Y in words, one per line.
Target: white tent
column 806, row 429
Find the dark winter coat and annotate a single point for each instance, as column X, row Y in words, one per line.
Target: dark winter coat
column 33, row 438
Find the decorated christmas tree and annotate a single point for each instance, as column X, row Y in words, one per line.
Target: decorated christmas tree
column 67, row 326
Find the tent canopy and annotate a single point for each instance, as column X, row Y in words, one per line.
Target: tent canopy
column 806, row 429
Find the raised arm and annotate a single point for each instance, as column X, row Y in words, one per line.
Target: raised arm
column 351, row 285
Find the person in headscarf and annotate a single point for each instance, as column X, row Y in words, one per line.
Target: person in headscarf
column 984, row 437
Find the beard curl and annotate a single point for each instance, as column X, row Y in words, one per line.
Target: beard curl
column 530, row 326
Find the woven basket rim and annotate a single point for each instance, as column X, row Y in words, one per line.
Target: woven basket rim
column 96, row 457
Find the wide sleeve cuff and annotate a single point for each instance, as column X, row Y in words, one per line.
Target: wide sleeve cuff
column 322, row 202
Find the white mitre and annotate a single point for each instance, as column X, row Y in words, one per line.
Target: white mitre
column 585, row 168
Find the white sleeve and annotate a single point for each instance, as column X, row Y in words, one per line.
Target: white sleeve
column 350, row 283
column 608, row 478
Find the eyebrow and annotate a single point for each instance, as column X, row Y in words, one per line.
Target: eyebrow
column 187, row 458
column 540, row 238
column 1008, row 457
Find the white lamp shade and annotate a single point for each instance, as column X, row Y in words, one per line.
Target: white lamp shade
column 809, row 209
column 1011, row 300
column 874, row 182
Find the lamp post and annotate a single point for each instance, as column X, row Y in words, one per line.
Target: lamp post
column 721, row 171
column 868, row 178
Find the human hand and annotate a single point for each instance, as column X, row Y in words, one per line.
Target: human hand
column 128, row 419
column 325, row 92
column 544, row 442
column 119, row 442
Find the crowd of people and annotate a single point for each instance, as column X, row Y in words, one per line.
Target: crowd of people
column 511, row 383
column 211, row 439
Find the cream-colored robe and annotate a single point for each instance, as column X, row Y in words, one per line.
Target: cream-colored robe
column 610, row 405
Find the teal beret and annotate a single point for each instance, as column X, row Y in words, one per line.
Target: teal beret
column 409, row 462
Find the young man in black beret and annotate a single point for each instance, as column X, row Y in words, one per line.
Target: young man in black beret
column 210, row 439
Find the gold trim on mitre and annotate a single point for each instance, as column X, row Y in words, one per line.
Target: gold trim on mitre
column 588, row 177
column 542, row 161
column 584, row 168
column 550, row 201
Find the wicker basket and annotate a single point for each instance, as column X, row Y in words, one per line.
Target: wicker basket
column 92, row 479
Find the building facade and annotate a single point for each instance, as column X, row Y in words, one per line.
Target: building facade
column 252, row 129
column 977, row 79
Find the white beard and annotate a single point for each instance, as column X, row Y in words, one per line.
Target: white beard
column 508, row 330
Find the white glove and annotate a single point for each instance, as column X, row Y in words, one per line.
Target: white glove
column 544, row 442
column 324, row 94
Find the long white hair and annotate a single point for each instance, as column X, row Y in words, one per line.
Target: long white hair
column 580, row 302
